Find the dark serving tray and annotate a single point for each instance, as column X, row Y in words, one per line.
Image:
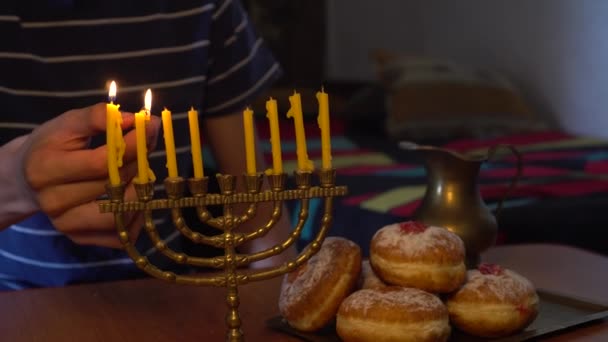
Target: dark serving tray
column 556, row 312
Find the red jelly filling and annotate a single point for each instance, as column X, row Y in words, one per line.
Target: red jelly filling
column 412, row 227
column 490, row 269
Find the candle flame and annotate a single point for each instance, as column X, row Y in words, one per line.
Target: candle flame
column 148, row 101
column 112, row 92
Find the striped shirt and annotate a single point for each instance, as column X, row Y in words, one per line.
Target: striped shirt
column 58, row 55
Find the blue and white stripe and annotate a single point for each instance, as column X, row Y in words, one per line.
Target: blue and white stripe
column 57, row 56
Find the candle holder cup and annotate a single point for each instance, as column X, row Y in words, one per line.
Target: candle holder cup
column 231, row 262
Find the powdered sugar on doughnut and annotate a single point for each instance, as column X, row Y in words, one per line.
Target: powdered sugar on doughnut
column 392, row 298
column 506, row 286
column 416, row 243
column 311, row 273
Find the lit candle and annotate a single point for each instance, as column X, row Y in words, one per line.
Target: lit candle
column 249, row 141
column 195, row 141
column 323, row 121
column 275, row 138
column 144, row 174
column 169, row 143
column 114, row 139
column 295, row 112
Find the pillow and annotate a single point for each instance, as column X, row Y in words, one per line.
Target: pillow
column 434, row 99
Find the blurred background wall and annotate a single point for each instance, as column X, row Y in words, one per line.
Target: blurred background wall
column 556, row 51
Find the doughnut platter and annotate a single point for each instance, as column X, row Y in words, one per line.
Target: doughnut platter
column 415, row 287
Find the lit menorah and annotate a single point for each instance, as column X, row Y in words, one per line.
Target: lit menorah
column 229, row 238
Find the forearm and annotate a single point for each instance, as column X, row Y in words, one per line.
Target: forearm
column 277, row 234
column 17, row 201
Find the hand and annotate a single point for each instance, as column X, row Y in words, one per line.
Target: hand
column 65, row 177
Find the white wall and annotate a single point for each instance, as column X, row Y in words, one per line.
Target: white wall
column 355, row 27
column 554, row 50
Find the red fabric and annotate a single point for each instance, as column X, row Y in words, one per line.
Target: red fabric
column 545, row 156
column 406, row 209
column 528, row 171
column 554, row 189
column 371, row 169
column 597, row 167
column 316, row 153
column 522, row 139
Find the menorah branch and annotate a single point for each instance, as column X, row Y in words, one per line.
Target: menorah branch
column 253, row 185
column 312, row 248
column 277, row 249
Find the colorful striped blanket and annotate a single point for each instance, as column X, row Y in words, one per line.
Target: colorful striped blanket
column 561, row 197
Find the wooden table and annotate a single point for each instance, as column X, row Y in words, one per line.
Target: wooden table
column 151, row 310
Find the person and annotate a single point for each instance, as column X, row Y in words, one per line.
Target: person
column 57, row 57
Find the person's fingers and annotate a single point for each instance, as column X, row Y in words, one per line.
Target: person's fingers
column 73, row 166
column 56, row 199
column 135, row 226
column 86, row 225
column 152, row 130
column 128, row 119
column 86, row 217
column 106, row 238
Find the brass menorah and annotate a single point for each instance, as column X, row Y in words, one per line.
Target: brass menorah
column 229, row 239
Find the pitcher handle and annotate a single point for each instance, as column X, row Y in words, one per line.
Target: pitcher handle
column 491, row 151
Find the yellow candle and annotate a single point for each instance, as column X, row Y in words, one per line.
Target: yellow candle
column 295, row 112
column 323, row 121
column 142, row 150
column 169, row 143
column 275, row 138
column 144, row 174
column 195, row 141
column 249, row 141
column 114, row 140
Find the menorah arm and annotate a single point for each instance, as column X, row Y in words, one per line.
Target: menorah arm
column 179, row 258
column 205, row 217
column 277, row 211
column 279, row 248
column 181, row 225
column 308, row 252
column 142, row 262
column 249, row 213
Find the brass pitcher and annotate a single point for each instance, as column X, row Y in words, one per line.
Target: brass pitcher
column 452, row 198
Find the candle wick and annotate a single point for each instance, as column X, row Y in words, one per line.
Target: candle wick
column 112, row 99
